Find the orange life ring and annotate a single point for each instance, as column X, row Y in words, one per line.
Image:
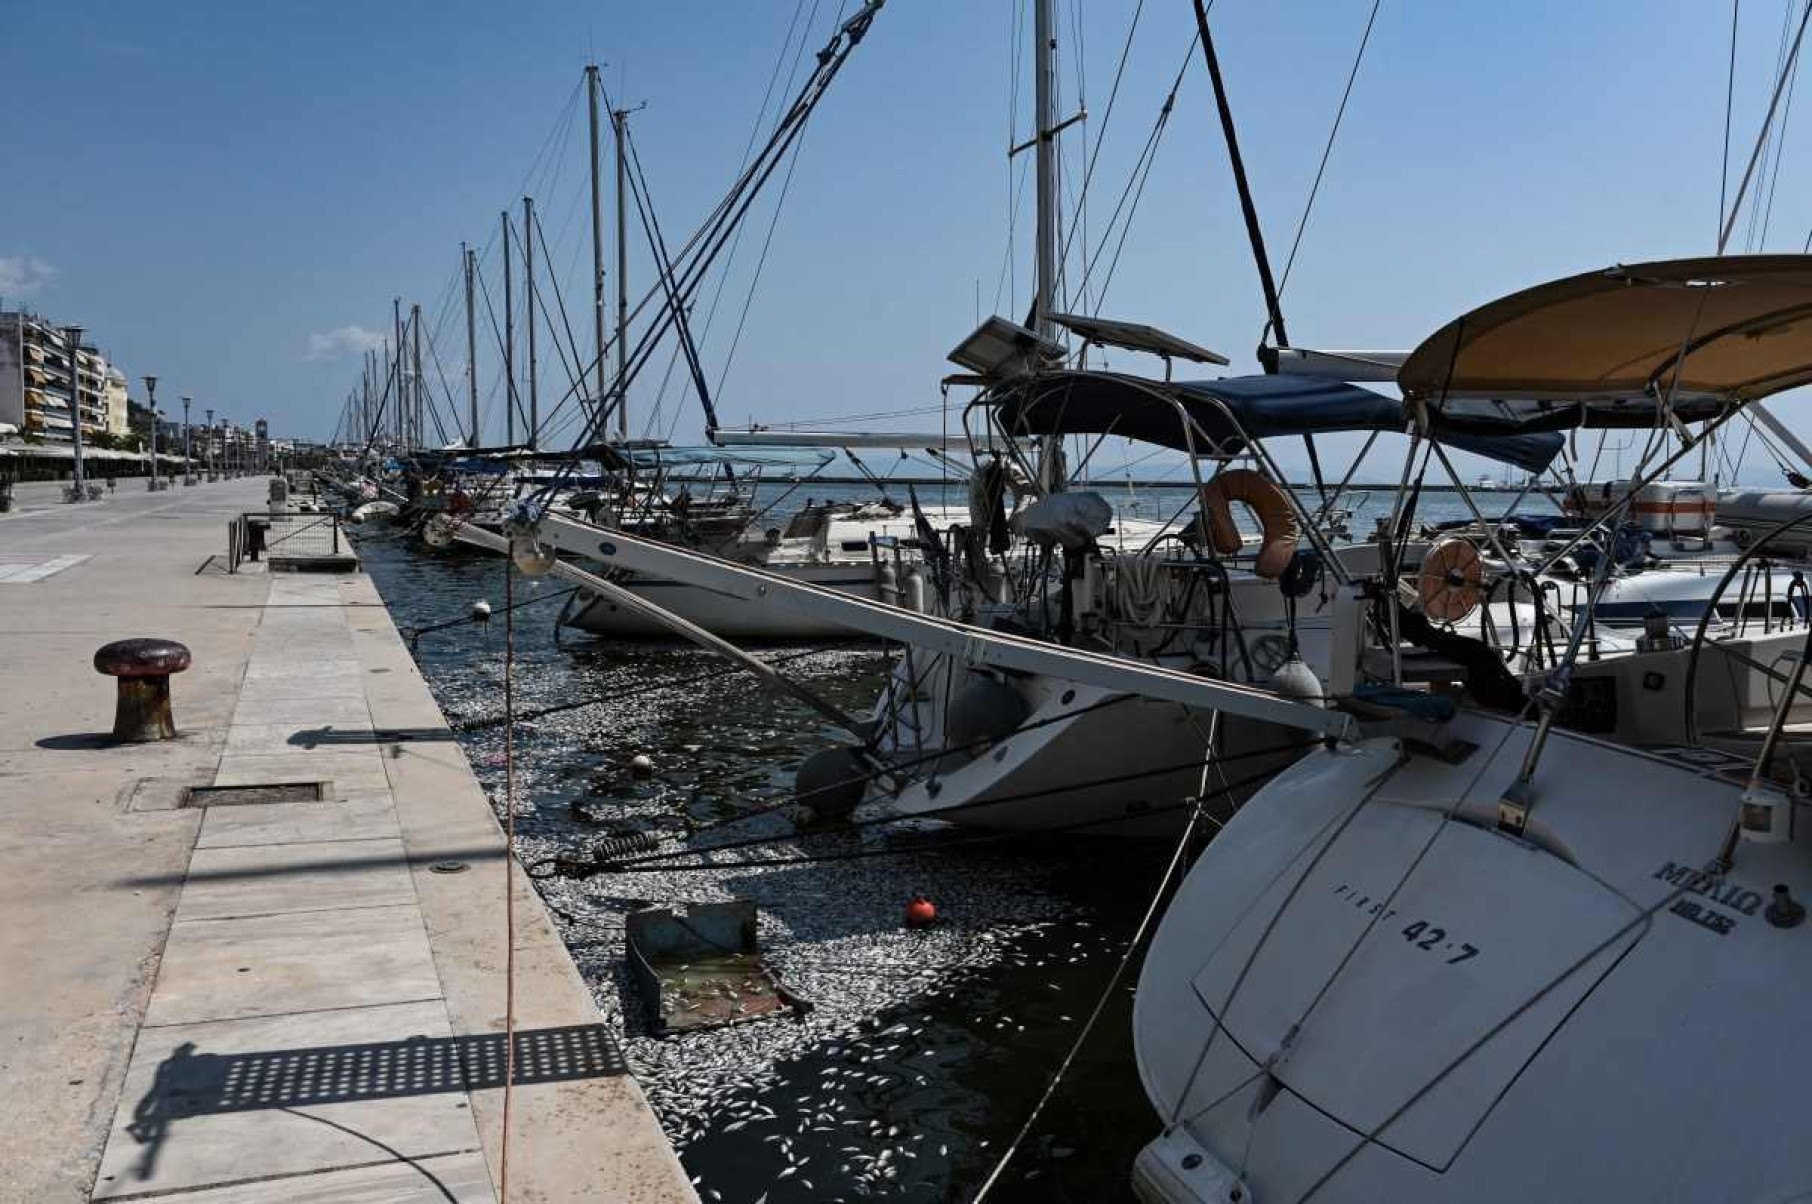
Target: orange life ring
column 1268, row 504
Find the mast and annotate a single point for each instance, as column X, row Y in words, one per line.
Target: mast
column 509, row 341
column 619, row 120
column 528, row 269
column 1045, row 75
column 1267, row 356
column 597, row 234
column 1044, row 32
column 417, row 414
column 380, row 414
column 396, row 368
column 1247, row 209
column 466, row 254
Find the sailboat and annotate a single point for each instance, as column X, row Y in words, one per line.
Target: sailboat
column 1454, row 952
column 1486, row 963
column 704, row 498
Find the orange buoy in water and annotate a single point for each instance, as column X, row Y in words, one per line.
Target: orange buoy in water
column 920, row 912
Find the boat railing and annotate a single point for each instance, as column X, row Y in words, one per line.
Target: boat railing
column 1729, row 627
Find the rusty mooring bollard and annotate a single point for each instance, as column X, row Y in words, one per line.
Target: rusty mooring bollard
column 143, row 667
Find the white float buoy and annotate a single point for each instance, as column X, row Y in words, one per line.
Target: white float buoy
column 481, row 611
column 641, row 765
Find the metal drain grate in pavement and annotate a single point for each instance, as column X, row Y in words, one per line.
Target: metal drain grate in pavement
column 262, row 792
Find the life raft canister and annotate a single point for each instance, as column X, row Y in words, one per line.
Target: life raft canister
column 1268, row 504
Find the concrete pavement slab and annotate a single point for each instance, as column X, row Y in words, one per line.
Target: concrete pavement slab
column 253, row 880
column 230, row 1101
column 352, row 772
column 132, row 917
column 459, row 1178
column 307, row 961
column 337, row 710
column 360, row 817
column 78, row 954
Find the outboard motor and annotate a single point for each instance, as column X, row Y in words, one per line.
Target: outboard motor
column 1071, row 521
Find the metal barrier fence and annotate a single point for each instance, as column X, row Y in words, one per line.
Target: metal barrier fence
column 291, row 536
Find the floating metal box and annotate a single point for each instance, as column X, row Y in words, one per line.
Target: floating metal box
column 699, row 966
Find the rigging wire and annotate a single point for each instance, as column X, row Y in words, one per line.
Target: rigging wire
column 678, row 284
column 1780, row 147
column 433, row 402
column 1134, row 190
column 511, row 399
column 767, row 242
column 1006, row 284
column 1107, row 116
column 786, row 184
column 677, row 304
column 1729, row 104
column 1302, row 223
column 571, row 367
column 1761, row 139
column 1770, row 147
column 1133, row 944
column 792, row 75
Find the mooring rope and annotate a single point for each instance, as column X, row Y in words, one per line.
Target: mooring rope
column 1107, row 992
column 414, row 634
column 509, row 873
column 654, row 865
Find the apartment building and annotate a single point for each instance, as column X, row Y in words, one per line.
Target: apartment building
column 35, row 386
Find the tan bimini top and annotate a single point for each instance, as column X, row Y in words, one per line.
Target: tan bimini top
column 1736, row 328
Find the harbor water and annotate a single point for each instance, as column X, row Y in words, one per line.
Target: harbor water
column 924, row 1050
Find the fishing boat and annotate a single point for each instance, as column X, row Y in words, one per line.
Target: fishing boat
column 1467, row 965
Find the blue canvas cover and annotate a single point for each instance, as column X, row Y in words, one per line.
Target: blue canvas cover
column 1222, row 415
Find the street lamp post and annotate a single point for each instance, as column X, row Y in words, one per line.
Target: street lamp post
column 151, row 404
column 188, row 464
column 210, row 446
column 72, row 341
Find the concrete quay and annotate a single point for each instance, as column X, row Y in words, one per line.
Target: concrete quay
column 216, row 1000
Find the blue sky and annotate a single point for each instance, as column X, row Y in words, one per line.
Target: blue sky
column 229, row 195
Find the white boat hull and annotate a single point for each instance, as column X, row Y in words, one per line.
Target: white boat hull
column 730, row 617
column 1085, row 762
column 1364, row 991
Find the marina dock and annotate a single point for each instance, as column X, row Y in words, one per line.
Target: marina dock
column 265, row 994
